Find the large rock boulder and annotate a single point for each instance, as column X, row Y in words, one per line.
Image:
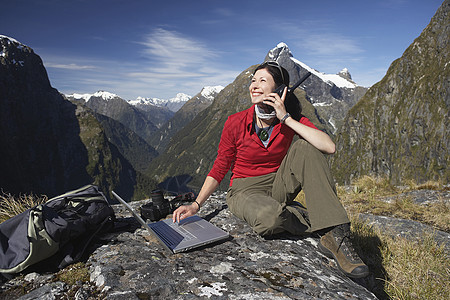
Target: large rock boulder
column 134, row 265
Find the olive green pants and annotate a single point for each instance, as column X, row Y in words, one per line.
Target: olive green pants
column 266, row 202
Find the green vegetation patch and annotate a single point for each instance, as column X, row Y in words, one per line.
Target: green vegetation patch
column 73, row 274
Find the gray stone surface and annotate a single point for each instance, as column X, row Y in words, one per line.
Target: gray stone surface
column 134, row 265
column 423, row 197
column 409, row 229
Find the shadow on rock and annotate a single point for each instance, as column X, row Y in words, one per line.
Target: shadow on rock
column 215, row 212
column 368, row 248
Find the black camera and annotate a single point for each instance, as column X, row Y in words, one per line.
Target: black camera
column 160, row 207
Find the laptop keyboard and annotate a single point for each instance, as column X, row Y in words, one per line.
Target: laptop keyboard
column 169, row 235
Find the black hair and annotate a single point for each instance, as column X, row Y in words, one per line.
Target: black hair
column 292, row 104
column 274, row 69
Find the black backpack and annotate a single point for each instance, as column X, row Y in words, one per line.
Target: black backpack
column 58, row 231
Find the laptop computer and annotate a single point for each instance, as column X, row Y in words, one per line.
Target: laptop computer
column 189, row 233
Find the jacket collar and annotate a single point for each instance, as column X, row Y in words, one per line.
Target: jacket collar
column 250, row 117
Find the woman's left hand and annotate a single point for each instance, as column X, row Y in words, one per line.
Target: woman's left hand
column 277, row 102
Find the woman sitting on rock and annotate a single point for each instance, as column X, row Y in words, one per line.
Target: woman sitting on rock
column 267, row 174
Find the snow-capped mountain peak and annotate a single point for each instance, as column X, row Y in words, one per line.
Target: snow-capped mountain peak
column 9, row 38
column 345, row 73
column 335, row 79
column 210, row 91
column 341, row 80
column 173, row 104
column 100, row 94
column 280, row 50
column 180, row 97
column 105, row 95
column 146, row 101
column 13, row 51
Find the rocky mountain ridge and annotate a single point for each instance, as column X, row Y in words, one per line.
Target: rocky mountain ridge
column 172, row 104
column 331, row 94
column 143, row 114
column 51, row 145
column 185, row 115
column 30, row 109
column 135, row 149
column 114, row 107
column 399, row 129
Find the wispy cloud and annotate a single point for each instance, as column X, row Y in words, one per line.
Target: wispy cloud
column 321, row 38
column 331, row 45
column 175, row 50
column 172, row 63
column 180, row 63
column 71, row 66
column 224, row 12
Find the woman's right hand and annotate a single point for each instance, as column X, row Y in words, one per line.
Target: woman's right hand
column 184, row 211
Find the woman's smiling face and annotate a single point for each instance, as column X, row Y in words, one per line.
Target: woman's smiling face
column 262, row 84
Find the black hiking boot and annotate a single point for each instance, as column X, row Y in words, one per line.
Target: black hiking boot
column 336, row 244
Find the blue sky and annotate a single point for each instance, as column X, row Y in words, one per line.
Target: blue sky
column 160, row 48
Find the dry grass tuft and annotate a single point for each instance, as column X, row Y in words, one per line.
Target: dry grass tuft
column 368, row 195
column 417, row 270
column 11, row 206
column 403, row 269
column 376, row 186
column 429, row 185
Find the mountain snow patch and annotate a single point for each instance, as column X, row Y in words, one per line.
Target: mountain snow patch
column 100, row 94
column 12, row 42
column 147, row 101
column 11, row 39
column 335, row 79
column 105, row 95
column 173, row 104
column 180, row 97
column 341, row 80
column 209, row 91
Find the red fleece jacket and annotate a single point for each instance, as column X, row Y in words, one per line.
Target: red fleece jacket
column 241, row 149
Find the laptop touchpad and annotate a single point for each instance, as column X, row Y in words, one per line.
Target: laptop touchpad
column 192, row 227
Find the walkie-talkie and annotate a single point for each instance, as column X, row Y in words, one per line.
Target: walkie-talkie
column 279, row 90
